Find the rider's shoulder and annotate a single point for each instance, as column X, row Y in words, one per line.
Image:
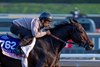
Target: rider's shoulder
column 35, row 20
column 24, row 18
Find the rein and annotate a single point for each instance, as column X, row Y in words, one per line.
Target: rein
column 57, row 38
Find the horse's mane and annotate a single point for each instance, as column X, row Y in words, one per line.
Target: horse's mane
column 72, row 23
column 67, row 22
column 61, row 24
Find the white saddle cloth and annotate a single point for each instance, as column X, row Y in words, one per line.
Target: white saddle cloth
column 28, row 48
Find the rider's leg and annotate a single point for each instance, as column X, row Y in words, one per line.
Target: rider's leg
column 14, row 29
column 25, row 35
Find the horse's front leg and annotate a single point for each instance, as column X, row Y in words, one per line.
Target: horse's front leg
column 0, row 64
column 57, row 65
column 0, row 55
column 24, row 62
column 41, row 64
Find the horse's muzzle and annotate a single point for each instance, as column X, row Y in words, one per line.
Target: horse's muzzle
column 89, row 48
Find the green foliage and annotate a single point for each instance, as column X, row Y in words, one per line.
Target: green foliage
column 53, row 8
column 52, row 1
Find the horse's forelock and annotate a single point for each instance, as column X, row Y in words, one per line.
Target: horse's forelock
column 77, row 24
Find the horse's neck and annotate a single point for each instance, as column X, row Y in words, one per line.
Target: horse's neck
column 50, row 43
column 56, row 45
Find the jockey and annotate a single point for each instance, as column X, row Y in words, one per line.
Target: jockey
column 27, row 28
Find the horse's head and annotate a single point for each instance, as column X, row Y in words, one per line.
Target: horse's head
column 79, row 35
column 74, row 31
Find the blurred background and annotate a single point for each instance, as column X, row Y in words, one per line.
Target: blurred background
column 87, row 12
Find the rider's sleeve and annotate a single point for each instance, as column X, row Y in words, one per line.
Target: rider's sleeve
column 35, row 27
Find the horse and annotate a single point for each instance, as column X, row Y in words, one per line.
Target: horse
column 47, row 49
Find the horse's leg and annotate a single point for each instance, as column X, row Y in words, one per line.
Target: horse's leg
column 55, row 61
column 0, row 64
column 40, row 64
column 24, row 62
column 0, row 55
column 57, row 65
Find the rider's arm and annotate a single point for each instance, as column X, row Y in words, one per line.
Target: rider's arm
column 35, row 27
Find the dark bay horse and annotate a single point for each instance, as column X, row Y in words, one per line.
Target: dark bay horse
column 46, row 52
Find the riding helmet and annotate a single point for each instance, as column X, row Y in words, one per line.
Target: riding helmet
column 45, row 16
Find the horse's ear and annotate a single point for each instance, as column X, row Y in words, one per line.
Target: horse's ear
column 71, row 21
column 75, row 20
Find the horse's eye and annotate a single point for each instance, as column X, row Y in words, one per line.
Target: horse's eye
column 79, row 30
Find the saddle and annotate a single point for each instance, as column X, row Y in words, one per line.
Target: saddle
column 25, row 41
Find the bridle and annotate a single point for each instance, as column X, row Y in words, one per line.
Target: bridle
column 83, row 44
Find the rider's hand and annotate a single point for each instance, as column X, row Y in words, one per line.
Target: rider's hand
column 48, row 32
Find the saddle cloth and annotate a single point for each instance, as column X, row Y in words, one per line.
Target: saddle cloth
column 9, row 44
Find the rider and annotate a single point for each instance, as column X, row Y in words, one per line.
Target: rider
column 27, row 28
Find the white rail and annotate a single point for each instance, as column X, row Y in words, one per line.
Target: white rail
column 79, row 55
column 80, row 60
column 80, row 63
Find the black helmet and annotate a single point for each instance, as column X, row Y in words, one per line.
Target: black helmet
column 45, row 16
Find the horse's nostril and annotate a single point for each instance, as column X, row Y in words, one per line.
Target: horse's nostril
column 89, row 48
column 92, row 46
